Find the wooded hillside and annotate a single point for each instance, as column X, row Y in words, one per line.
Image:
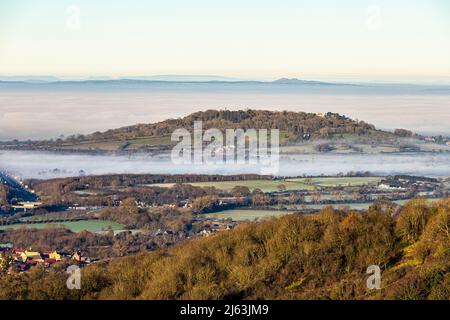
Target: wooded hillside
column 322, row 256
column 296, row 124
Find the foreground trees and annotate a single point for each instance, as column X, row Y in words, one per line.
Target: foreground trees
column 323, row 256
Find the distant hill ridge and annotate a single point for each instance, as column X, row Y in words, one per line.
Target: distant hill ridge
column 157, row 78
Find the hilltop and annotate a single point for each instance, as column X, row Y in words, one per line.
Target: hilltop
column 297, row 125
column 295, row 128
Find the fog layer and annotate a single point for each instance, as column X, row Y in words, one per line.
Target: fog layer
column 48, row 165
column 48, row 112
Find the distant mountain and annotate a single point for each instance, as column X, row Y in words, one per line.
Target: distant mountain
column 167, row 78
column 31, row 79
column 296, row 81
column 287, row 83
column 182, row 78
column 202, row 84
column 158, row 78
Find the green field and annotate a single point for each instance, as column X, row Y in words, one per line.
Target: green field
column 290, row 184
column 254, row 214
column 243, row 215
column 337, row 181
column 94, row 145
column 114, row 145
column 74, row 226
column 264, row 185
column 151, row 141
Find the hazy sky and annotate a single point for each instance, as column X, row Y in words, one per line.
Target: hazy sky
column 264, row 39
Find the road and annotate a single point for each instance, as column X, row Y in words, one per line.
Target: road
column 19, row 191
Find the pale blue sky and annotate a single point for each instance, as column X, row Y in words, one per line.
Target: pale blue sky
column 264, row 39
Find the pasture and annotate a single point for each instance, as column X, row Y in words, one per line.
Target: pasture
column 289, row 184
column 246, row 215
column 74, row 226
column 337, row 181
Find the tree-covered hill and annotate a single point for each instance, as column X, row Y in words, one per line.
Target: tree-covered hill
column 295, row 127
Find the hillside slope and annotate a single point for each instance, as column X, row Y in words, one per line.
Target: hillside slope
column 296, row 124
column 323, row 256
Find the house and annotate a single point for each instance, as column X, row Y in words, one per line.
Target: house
column 27, row 205
column 80, row 259
column 205, row 233
column 24, row 259
column 54, row 255
column 223, row 201
column 34, row 256
column 390, row 186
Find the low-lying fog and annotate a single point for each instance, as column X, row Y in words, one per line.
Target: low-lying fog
column 48, row 165
column 42, row 112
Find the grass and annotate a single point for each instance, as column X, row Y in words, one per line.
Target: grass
column 337, row 181
column 74, row 226
column 243, row 215
column 254, row 214
column 264, row 185
column 290, row 184
column 114, row 145
column 103, row 145
column 151, row 141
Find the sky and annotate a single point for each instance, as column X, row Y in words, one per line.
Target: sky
column 264, row 39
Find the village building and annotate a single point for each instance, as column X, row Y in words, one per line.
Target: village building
column 34, row 256
column 390, row 186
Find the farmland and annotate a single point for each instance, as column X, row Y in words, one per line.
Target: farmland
column 251, row 215
column 115, row 145
column 337, row 181
column 243, row 215
column 74, row 226
column 290, row 184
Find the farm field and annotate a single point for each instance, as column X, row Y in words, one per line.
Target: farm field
column 250, row 215
column 46, row 218
column 264, row 185
column 74, row 226
column 430, row 200
column 290, row 184
column 243, row 215
column 101, row 145
column 115, row 145
column 151, row 140
column 337, row 181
